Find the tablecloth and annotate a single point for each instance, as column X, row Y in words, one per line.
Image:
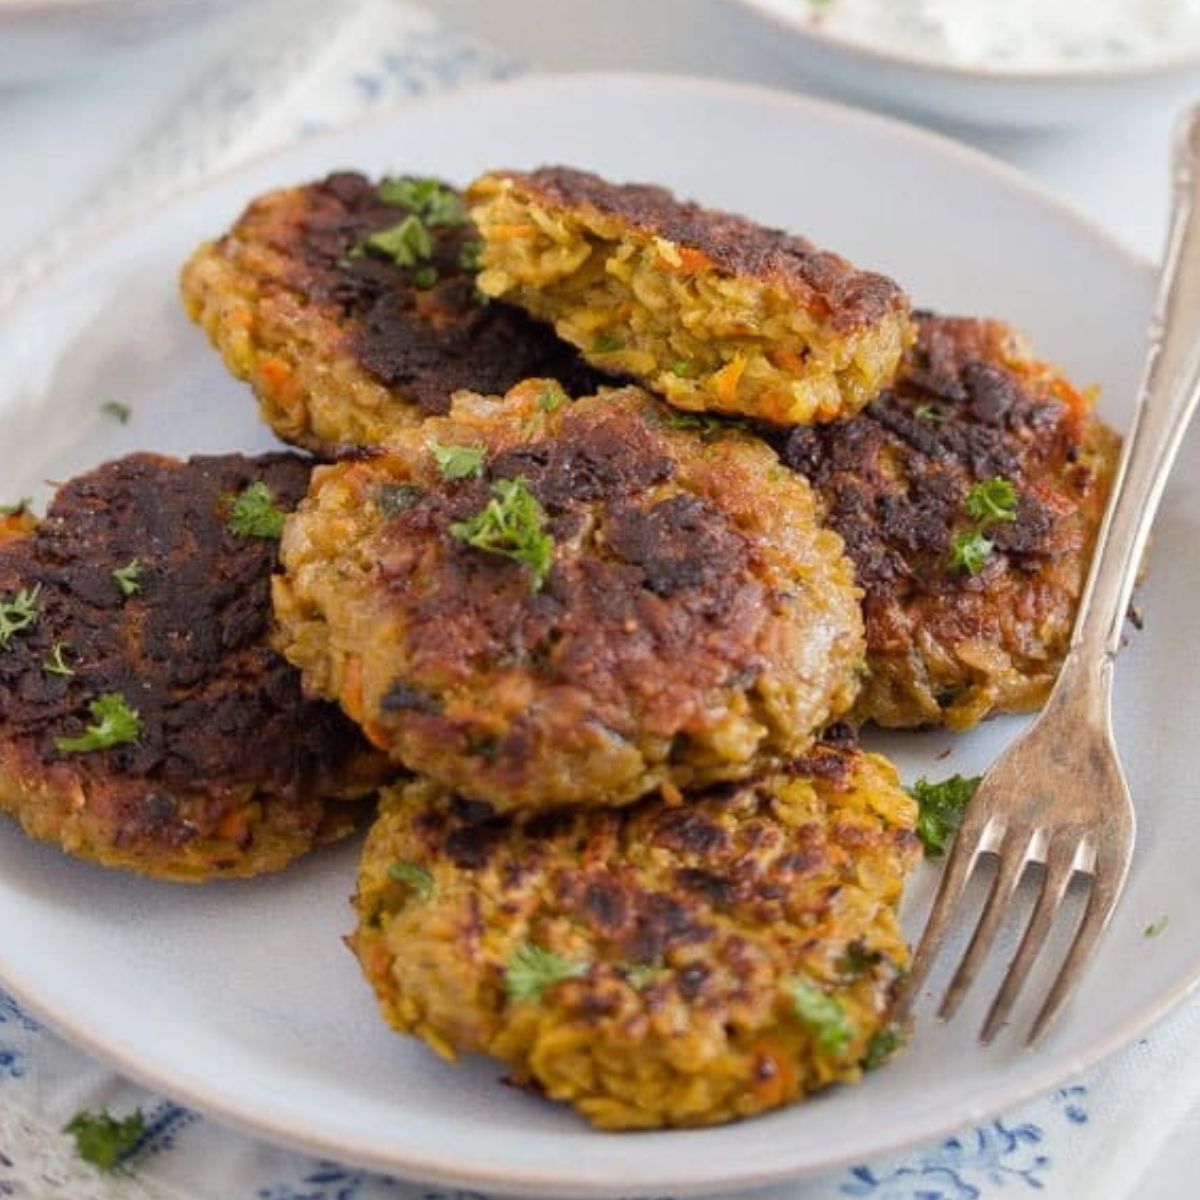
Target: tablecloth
column 1098, row 1137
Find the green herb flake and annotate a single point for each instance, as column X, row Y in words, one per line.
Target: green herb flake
column 970, row 551
column 512, row 525
column 426, row 277
column 104, row 1141
column 56, row 662
column 18, row 613
column 436, row 203
column 882, row 1046
column 118, row 411
column 458, row 462
column 413, row 876
column 19, row 509
column 823, row 1015
column 699, row 422
column 684, row 368
column 941, row 807
column 115, row 725
column 1155, row 927
column 857, row 960
column 930, row 413
column 253, row 513
column 532, row 970
column 607, row 343
column 394, row 498
column 552, row 399
column 470, row 257
column 129, row 578
column 408, row 244
column 991, row 501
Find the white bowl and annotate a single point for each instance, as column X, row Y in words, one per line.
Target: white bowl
column 927, row 87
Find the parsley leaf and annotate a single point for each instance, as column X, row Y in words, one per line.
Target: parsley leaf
column 823, row 1014
column 512, row 525
column 118, row 411
column 18, row 613
column 414, row 876
column 115, row 724
column 883, row 1044
column 531, row 970
column 994, row 500
column 408, row 244
column 428, row 198
column 129, row 578
column 16, row 510
column 103, row 1140
column 941, row 808
column 458, row 462
column 970, row 551
column 253, row 513
column 56, row 663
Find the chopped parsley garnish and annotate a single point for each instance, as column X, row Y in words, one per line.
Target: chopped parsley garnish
column 118, row 411
column 253, row 513
column 941, row 807
column 532, row 970
column 426, row 277
column 512, row 525
column 824, row 1016
column 394, row 498
column 607, row 343
column 56, row 662
column 994, row 500
column 552, row 399
column 470, row 257
column 408, row 244
column 103, row 1140
column 857, row 960
column 414, row 876
column 436, row 203
column 18, row 613
column 970, row 551
column 115, row 725
column 129, row 578
column 930, row 413
column 882, row 1046
column 684, row 368
column 458, row 462
column 1155, row 928
column 16, row 510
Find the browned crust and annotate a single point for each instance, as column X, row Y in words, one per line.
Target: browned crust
column 228, row 745
column 971, row 404
column 849, row 299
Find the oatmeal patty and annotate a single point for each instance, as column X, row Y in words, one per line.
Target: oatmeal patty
column 145, row 722
column 710, row 310
column 653, row 965
column 539, row 603
column 969, row 497
column 351, row 309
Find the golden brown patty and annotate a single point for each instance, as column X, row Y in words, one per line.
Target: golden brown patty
column 341, row 342
column 654, row 965
column 232, row 769
column 710, row 310
column 692, row 619
column 972, row 406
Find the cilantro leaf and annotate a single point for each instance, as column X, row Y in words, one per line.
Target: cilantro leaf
column 823, row 1015
column 253, row 513
column 941, row 807
column 115, row 725
column 532, row 970
column 129, row 578
column 970, row 551
column 408, row 244
column 18, row 613
column 458, row 462
column 436, row 203
column 413, row 876
column 103, row 1140
column 991, row 501
column 512, row 525
column 56, row 663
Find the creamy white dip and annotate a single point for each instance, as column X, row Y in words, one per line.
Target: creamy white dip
column 1017, row 35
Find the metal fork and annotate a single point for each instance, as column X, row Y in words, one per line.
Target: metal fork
column 1058, row 797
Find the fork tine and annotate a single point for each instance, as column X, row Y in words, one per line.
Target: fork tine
column 1014, row 855
column 1107, row 881
column 1060, row 866
column 964, row 854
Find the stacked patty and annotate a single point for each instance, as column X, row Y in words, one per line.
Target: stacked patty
column 145, row 721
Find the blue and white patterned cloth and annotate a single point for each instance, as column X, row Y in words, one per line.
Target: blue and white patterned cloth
column 1092, row 1140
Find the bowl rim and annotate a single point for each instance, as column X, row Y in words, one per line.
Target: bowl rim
column 871, row 54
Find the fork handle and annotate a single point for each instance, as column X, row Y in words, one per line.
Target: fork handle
column 1167, row 399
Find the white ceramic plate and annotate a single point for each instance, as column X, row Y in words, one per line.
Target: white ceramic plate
column 239, row 998
column 928, row 86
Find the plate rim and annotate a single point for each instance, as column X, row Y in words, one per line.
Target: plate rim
column 436, row 1168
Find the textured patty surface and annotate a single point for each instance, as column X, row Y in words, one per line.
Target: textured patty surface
column 694, row 621
column 710, row 310
column 342, row 346
column 232, row 768
column 653, row 965
column 972, row 405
